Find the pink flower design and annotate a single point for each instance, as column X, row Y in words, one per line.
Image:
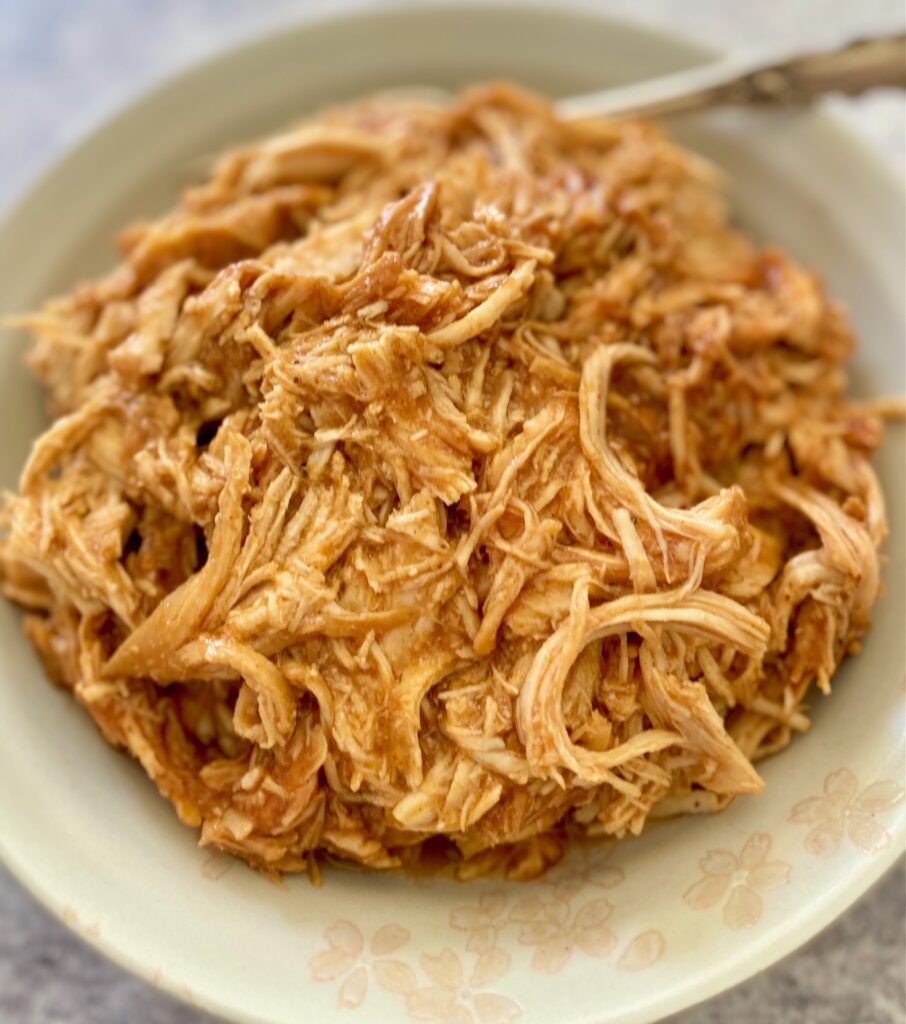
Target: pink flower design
column 346, row 957
column 738, row 882
column 556, row 933
column 452, row 1000
column 844, row 811
column 643, row 951
column 581, row 869
column 482, row 923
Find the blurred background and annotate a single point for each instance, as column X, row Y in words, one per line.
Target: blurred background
column 65, row 66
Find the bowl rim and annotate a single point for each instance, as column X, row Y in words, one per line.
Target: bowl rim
column 808, row 919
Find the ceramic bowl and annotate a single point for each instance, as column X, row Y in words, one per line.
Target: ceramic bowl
column 623, row 933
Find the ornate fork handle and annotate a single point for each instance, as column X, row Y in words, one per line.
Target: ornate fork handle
column 864, row 64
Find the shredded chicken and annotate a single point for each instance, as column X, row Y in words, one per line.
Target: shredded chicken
column 446, row 474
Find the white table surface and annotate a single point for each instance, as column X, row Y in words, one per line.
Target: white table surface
column 63, row 66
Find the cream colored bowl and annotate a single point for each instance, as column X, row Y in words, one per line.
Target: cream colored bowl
column 623, row 934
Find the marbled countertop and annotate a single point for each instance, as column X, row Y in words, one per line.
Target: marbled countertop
column 64, row 66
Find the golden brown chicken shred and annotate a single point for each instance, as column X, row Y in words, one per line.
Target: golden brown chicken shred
column 446, row 472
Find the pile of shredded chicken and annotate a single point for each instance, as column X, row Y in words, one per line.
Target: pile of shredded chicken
column 436, row 485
